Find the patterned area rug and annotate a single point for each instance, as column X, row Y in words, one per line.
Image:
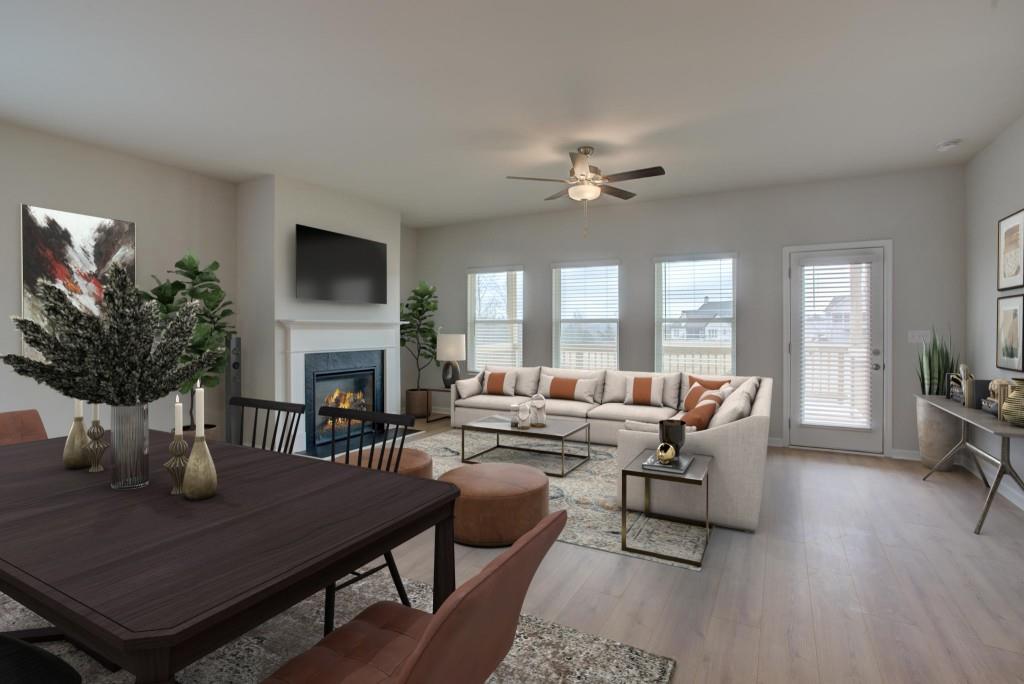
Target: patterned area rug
column 589, row 494
column 542, row 652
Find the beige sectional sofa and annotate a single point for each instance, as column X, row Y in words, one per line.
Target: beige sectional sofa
column 737, row 439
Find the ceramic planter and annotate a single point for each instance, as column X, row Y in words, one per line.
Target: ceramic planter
column 937, row 433
column 417, row 403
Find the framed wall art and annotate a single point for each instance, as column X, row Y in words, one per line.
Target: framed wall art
column 1009, row 317
column 1010, row 254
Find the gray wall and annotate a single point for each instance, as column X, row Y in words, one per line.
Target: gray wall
column 922, row 211
column 174, row 211
column 995, row 188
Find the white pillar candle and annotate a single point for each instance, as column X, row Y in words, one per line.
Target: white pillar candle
column 96, row 412
column 200, row 410
column 79, row 408
column 178, row 428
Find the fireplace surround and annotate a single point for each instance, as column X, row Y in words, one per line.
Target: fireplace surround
column 348, row 379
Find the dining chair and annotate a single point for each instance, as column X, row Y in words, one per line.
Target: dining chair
column 287, row 416
column 464, row 641
column 21, row 426
column 369, row 426
column 23, row 663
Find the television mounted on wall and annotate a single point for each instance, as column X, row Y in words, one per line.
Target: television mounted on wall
column 339, row 268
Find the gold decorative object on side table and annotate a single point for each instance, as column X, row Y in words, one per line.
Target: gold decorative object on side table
column 177, row 463
column 665, row 452
column 200, row 481
column 1013, row 407
column 96, row 447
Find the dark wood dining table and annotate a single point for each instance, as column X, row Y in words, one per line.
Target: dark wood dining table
column 153, row 582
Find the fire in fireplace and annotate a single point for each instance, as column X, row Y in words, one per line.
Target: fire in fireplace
column 345, row 379
column 350, row 389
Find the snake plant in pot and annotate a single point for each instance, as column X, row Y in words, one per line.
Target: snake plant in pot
column 419, row 338
column 937, row 431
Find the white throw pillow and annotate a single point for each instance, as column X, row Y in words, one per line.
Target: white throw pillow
column 638, row 391
column 580, row 374
column 616, row 384
column 738, row 404
column 469, row 387
column 574, row 389
column 526, row 378
column 637, row 426
column 503, row 382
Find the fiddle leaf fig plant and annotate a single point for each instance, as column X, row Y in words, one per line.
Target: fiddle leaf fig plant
column 418, row 333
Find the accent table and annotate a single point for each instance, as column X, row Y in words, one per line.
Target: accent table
column 696, row 474
column 987, row 423
column 556, row 429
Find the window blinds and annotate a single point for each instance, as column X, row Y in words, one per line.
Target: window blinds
column 495, row 330
column 586, row 308
column 695, row 316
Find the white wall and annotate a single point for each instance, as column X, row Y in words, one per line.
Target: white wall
column 174, row 211
column 995, row 188
column 256, row 283
column 921, row 211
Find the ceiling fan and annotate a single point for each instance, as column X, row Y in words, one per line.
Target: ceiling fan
column 586, row 182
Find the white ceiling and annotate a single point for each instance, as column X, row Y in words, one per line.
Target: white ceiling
column 426, row 105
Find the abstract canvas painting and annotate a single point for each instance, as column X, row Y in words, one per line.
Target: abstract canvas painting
column 1010, row 252
column 1009, row 331
column 73, row 252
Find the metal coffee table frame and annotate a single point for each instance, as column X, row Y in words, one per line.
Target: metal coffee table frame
column 698, row 474
column 499, row 430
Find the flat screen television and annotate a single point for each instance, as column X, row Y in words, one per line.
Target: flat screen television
column 340, row 268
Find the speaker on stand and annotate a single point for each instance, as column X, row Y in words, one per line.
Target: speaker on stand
column 233, row 388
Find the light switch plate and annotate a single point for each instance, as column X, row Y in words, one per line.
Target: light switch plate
column 919, row 336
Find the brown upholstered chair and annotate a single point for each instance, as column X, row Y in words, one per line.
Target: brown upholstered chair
column 463, row 642
column 21, row 426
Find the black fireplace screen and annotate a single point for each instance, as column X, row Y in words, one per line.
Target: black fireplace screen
column 349, row 379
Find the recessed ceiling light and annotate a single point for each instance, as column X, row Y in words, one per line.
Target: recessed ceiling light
column 948, row 145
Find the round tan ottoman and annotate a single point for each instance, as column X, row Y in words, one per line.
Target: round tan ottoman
column 498, row 502
column 415, row 462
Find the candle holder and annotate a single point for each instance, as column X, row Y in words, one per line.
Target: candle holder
column 177, row 463
column 74, row 448
column 200, row 480
column 96, row 446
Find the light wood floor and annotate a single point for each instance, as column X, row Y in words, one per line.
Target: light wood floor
column 859, row 572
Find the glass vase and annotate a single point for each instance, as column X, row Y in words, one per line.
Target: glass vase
column 129, row 429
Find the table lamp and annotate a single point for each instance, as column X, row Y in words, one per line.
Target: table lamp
column 451, row 348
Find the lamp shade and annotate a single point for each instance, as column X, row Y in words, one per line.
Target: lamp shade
column 451, row 347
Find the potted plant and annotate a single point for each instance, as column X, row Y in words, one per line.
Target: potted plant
column 195, row 283
column 126, row 356
column 419, row 338
column 937, row 431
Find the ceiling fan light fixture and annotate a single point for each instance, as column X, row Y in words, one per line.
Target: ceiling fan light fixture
column 584, row 192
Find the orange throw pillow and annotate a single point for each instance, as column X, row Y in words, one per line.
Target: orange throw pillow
column 709, row 384
column 563, row 388
column 495, row 383
column 698, row 393
column 700, row 415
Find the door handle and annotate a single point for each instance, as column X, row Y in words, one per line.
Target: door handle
column 876, row 366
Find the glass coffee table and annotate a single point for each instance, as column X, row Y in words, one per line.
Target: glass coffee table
column 695, row 475
column 556, row 430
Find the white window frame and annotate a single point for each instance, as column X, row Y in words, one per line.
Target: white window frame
column 556, row 308
column 471, row 313
column 659, row 314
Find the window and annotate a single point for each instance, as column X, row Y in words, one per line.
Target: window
column 695, row 316
column 586, row 308
column 495, row 319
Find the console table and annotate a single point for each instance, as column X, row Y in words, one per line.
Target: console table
column 987, row 423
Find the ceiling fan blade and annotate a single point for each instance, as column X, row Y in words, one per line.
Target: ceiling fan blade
column 638, row 173
column 580, row 164
column 549, row 180
column 617, row 192
column 561, row 193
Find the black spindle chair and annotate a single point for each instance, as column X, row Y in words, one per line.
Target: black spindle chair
column 391, row 428
column 280, row 436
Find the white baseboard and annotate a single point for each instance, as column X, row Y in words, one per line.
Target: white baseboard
column 904, row 454
column 775, row 442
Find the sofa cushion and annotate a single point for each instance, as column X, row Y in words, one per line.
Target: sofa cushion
column 616, row 383
column 619, row 411
column 572, row 373
column 566, row 408
column 571, row 389
column 738, row 404
column 469, row 387
column 527, row 378
column 638, row 426
column 645, row 390
column 490, row 402
column 500, row 382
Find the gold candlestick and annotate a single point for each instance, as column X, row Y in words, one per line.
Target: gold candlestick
column 177, row 463
column 96, row 446
column 200, row 474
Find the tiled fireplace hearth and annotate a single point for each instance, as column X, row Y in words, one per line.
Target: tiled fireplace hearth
column 353, row 363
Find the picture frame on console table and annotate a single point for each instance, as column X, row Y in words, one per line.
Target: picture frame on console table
column 1010, row 252
column 1009, row 332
